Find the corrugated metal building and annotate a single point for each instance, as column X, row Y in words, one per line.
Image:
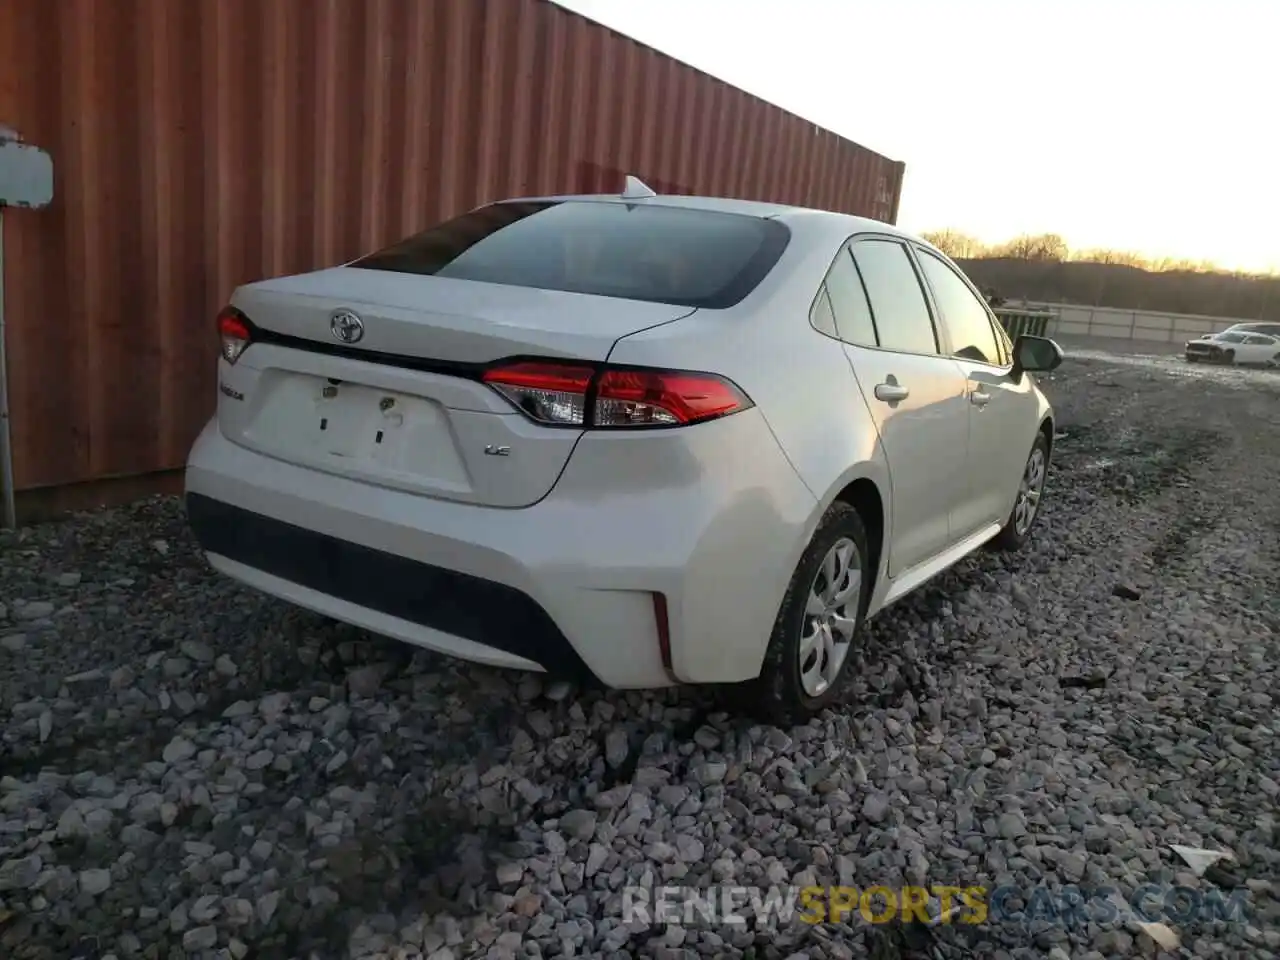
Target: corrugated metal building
column 199, row 144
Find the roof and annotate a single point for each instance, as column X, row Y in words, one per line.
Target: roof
column 751, row 208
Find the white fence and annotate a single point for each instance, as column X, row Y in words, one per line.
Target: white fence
column 1076, row 321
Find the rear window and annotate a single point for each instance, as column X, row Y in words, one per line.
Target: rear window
column 675, row 255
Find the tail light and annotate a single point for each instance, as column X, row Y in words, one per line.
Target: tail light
column 234, row 329
column 578, row 395
column 546, row 392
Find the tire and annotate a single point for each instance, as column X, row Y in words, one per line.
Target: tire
column 1229, row 358
column 784, row 693
column 1016, row 532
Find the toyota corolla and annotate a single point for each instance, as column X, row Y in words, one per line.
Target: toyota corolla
column 647, row 440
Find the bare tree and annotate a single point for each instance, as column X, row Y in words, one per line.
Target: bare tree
column 1045, row 247
column 956, row 245
column 1120, row 257
column 1173, row 265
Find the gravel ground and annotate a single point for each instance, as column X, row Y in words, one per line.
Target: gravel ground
column 189, row 769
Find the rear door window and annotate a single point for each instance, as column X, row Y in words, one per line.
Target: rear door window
column 662, row 254
column 898, row 304
column 853, row 319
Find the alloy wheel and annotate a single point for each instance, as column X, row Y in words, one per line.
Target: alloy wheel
column 1029, row 491
column 830, row 617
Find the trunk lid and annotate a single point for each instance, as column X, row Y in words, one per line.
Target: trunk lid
column 439, row 318
column 402, row 407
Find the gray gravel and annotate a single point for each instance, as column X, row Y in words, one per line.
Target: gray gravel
column 189, row 769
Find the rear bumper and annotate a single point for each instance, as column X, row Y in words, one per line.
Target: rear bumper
column 712, row 521
column 481, row 611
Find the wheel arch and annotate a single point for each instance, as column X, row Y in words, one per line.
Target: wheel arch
column 864, row 496
column 1047, row 428
column 865, row 487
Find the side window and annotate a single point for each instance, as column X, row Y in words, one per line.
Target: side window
column 897, row 302
column 1258, row 340
column 849, row 302
column 820, row 316
column 965, row 316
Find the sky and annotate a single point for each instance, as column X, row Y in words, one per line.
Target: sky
column 1135, row 125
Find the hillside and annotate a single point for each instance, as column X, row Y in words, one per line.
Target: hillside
column 1117, row 285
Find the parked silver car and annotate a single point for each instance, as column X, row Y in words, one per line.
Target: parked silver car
column 656, row 440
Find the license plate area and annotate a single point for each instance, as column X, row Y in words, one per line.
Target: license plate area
column 357, row 429
column 352, row 421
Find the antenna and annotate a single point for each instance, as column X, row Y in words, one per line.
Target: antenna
column 636, row 190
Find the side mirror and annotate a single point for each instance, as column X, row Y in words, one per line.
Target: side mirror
column 1035, row 355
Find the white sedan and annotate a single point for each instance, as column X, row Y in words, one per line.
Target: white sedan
column 647, row 440
column 1234, row 346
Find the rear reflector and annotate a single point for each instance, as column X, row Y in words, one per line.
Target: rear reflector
column 663, row 624
column 577, row 395
column 234, row 330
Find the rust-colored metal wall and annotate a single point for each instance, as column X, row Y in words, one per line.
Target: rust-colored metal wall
column 199, row 144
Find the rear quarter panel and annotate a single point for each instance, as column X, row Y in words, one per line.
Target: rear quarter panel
column 800, row 380
column 803, row 385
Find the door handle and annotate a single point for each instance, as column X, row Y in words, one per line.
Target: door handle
column 979, row 398
column 891, row 392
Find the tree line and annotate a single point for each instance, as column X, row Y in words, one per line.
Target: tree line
column 1043, row 267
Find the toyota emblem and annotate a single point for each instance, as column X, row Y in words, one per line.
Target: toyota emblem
column 346, row 326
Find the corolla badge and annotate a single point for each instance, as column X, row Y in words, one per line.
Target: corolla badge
column 346, row 326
